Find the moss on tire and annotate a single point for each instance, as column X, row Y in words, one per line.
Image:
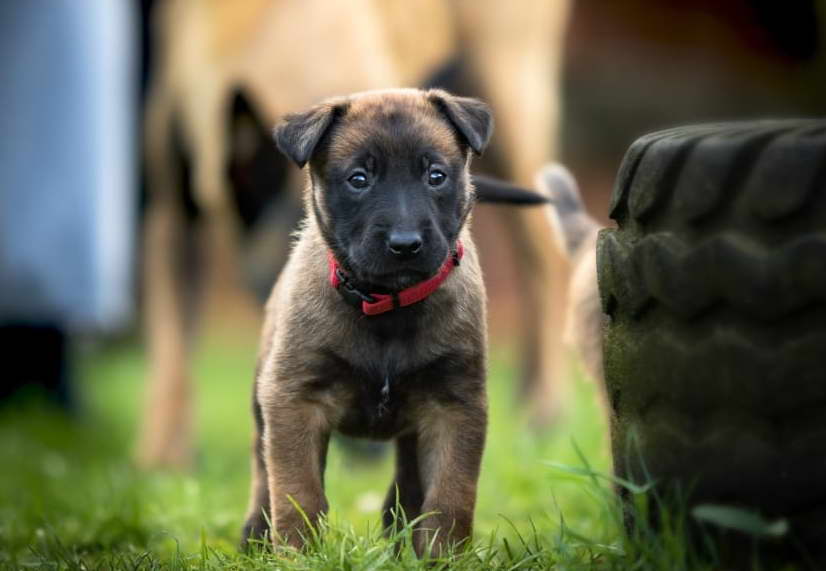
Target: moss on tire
column 715, row 287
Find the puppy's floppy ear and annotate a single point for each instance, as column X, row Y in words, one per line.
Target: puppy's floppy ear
column 471, row 117
column 298, row 134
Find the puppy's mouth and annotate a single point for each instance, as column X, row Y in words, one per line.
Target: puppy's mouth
column 382, row 274
column 398, row 280
column 389, row 278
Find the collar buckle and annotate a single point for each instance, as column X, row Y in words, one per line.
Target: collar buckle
column 345, row 282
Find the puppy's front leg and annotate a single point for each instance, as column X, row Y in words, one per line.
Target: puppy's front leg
column 451, row 439
column 296, row 435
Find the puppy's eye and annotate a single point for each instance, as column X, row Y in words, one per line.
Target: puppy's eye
column 359, row 181
column 436, row 177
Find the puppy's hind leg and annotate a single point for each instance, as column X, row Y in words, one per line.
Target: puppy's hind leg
column 257, row 527
column 406, row 490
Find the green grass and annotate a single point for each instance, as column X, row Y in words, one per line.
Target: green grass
column 71, row 498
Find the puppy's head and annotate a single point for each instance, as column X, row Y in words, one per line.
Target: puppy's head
column 390, row 187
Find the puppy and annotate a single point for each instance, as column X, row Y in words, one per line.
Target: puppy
column 376, row 327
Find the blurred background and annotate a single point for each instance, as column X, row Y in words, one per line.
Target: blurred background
column 144, row 214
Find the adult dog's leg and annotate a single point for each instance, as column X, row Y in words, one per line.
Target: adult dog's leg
column 406, row 486
column 545, row 277
column 170, row 273
column 296, row 436
column 165, row 438
column 450, row 443
column 519, row 76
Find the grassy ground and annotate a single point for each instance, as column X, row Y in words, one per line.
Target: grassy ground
column 70, row 497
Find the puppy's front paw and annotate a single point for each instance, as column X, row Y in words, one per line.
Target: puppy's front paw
column 255, row 530
column 440, row 533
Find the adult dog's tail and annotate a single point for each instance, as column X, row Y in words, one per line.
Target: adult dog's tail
column 494, row 190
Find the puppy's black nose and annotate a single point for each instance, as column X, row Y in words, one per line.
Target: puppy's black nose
column 404, row 244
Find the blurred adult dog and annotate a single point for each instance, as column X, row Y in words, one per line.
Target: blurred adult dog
column 223, row 62
column 574, row 233
column 376, row 327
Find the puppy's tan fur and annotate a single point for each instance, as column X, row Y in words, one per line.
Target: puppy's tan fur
column 317, row 354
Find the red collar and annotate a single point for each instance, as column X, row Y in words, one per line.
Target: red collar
column 376, row 303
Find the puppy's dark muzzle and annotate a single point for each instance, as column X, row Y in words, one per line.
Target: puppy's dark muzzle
column 404, row 245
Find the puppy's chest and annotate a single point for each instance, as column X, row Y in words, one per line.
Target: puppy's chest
column 377, row 405
column 382, row 397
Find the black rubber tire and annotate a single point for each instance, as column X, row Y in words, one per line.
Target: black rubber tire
column 714, row 284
